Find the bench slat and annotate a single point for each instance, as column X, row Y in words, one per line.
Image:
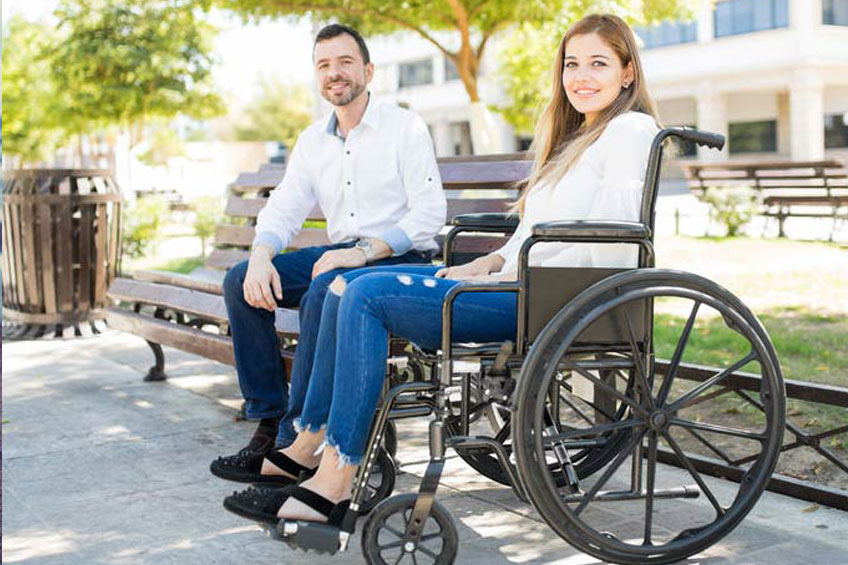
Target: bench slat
column 209, row 281
column 194, row 302
column 225, row 258
column 238, row 207
column 243, row 236
column 216, row 347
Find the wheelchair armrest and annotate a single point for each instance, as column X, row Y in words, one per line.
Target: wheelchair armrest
column 593, row 230
column 488, row 220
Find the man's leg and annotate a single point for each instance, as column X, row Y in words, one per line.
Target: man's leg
column 256, row 349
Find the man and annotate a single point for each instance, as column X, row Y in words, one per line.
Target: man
column 370, row 166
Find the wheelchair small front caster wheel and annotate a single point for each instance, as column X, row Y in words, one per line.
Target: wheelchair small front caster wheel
column 382, row 536
column 381, row 481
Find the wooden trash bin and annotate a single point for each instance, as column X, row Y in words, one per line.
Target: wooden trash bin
column 61, row 248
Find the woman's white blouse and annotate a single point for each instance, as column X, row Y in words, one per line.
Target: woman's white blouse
column 605, row 184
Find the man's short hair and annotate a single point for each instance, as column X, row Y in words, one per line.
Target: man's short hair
column 335, row 30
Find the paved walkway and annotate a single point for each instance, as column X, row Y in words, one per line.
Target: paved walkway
column 99, row 467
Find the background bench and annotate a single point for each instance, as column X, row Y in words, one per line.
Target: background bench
column 187, row 311
column 812, row 189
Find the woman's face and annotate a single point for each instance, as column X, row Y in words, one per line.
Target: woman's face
column 592, row 74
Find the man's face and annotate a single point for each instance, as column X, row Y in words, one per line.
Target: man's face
column 340, row 70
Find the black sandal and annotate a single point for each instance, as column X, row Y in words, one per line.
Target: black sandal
column 262, row 504
column 247, row 468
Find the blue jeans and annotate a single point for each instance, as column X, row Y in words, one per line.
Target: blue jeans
column 259, row 365
column 352, row 345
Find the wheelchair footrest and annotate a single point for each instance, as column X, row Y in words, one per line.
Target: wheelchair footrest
column 309, row 536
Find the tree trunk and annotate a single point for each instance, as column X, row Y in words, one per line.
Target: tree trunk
column 485, row 134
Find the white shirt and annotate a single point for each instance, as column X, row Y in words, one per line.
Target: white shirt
column 381, row 181
column 605, row 183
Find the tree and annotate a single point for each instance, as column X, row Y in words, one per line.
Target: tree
column 472, row 22
column 527, row 54
column 30, row 112
column 124, row 63
column 278, row 112
column 207, row 215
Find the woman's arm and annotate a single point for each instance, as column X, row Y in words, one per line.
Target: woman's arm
column 479, row 267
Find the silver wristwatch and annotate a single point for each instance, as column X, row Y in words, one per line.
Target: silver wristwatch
column 364, row 245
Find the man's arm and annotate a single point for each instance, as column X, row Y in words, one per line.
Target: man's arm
column 423, row 186
column 288, row 205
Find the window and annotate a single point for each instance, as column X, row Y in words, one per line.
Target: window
column 450, row 70
column 836, row 130
column 668, row 33
column 415, row 73
column 733, row 17
column 752, row 137
column 835, row 12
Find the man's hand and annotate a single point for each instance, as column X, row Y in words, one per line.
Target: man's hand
column 338, row 259
column 262, row 281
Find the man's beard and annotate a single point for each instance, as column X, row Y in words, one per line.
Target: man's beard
column 355, row 89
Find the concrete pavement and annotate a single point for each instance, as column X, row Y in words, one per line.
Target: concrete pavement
column 99, row 467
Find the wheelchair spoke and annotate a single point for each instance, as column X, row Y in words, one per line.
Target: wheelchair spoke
column 579, row 412
column 391, row 545
column 597, row 430
column 684, row 400
column 426, row 551
column 638, row 361
column 607, row 388
column 735, row 432
column 613, row 467
column 650, row 481
column 695, row 475
column 665, row 388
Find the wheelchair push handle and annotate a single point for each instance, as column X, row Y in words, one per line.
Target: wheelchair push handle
column 703, row 138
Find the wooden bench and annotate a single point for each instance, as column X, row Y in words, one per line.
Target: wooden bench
column 187, row 311
column 812, row 189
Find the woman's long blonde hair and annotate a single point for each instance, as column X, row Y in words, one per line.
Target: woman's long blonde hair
column 560, row 138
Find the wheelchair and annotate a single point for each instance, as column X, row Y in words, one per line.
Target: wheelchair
column 579, row 415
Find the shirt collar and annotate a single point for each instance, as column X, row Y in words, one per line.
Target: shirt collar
column 370, row 118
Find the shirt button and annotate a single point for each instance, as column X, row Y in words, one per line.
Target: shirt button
column 348, row 182
column 347, row 152
column 352, row 214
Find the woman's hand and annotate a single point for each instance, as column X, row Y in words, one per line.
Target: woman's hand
column 476, row 269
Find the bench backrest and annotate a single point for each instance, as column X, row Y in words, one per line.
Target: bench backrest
column 485, row 183
column 823, row 177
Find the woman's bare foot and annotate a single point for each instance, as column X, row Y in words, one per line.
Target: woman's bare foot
column 329, row 481
column 301, row 451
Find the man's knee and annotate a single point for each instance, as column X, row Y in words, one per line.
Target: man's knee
column 233, row 285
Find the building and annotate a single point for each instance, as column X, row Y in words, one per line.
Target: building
column 772, row 75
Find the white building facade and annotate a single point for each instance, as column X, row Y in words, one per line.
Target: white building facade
column 772, row 75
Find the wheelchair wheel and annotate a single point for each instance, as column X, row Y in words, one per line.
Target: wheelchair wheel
column 390, row 438
column 382, row 536
column 381, row 482
column 668, row 426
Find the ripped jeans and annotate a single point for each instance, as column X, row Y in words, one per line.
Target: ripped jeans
column 351, row 351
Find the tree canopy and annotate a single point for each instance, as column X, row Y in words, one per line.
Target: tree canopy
column 472, row 22
column 30, row 112
column 277, row 112
column 122, row 63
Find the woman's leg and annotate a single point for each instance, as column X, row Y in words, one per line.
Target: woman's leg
column 316, row 406
column 370, row 307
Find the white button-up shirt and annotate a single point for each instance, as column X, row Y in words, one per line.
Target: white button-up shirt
column 381, row 181
column 605, row 183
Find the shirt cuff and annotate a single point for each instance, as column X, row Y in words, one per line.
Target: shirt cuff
column 270, row 239
column 397, row 240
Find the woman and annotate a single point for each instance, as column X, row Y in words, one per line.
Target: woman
column 591, row 150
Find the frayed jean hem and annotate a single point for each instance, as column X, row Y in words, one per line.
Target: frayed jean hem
column 311, row 428
column 345, row 460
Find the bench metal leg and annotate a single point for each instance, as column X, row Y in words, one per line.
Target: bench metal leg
column 156, row 372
